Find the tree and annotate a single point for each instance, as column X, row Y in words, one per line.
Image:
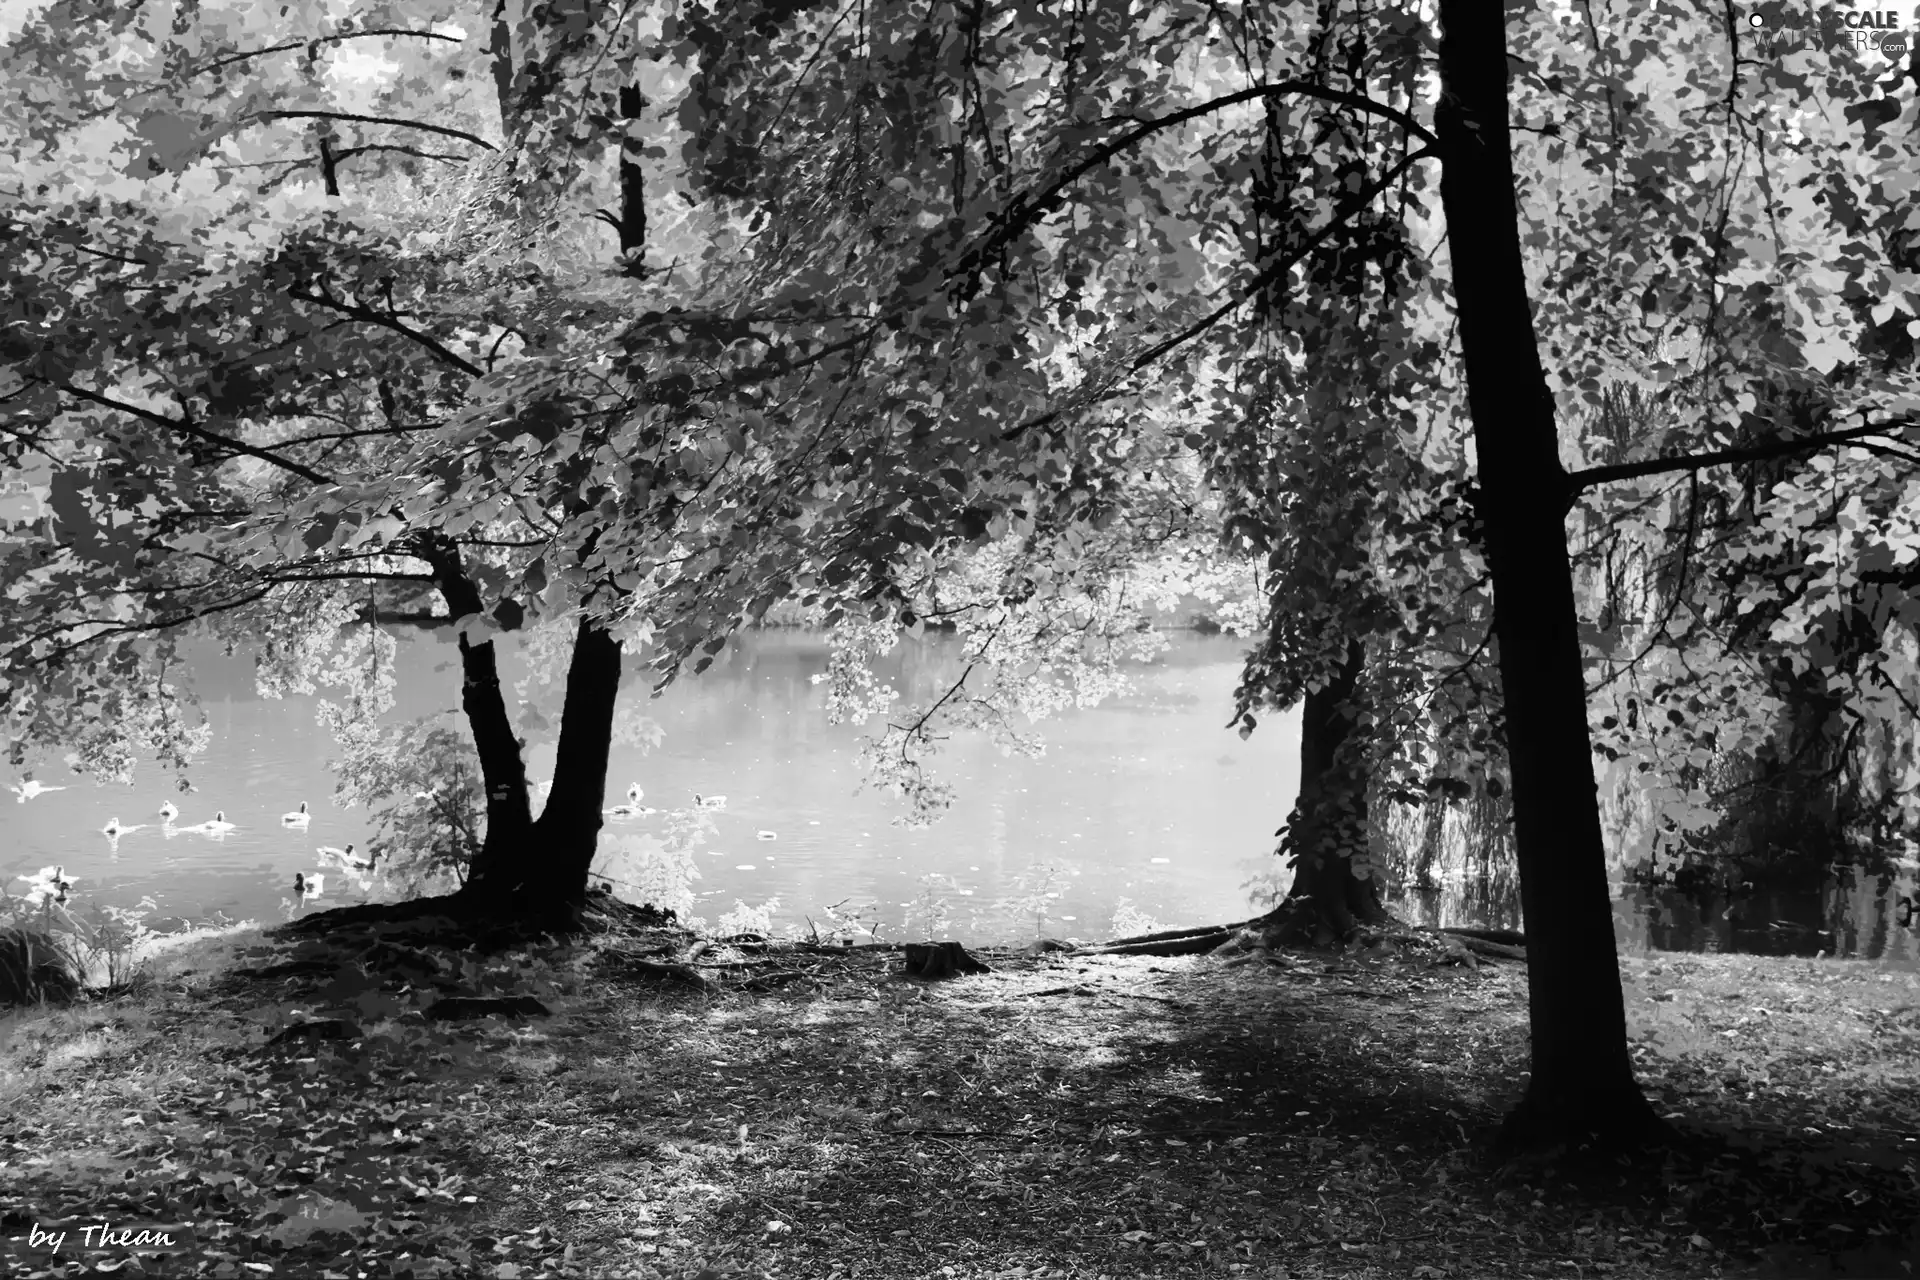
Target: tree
column 1036, row 195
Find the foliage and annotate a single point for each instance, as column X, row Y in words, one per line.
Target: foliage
column 658, row 869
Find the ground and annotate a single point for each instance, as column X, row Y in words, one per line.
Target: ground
column 1296, row 1114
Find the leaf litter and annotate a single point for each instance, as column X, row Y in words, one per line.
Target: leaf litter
column 810, row 1112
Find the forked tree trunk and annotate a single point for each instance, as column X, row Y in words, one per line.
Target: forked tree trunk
column 1582, row 1091
column 1328, row 825
column 546, row 869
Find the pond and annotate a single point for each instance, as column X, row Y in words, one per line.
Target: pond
column 1146, row 802
column 1146, row 809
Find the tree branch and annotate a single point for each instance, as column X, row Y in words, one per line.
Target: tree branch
column 1592, row 476
column 404, row 124
column 1267, row 274
column 198, row 433
column 370, row 316
column 1021, row 215
column 232, row 58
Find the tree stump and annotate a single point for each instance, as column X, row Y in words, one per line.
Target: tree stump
column 933, row 960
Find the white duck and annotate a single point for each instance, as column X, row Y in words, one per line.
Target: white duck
column 25, row 791
column 349, row 859
column 308, row 886
column 709, row 802
column 217, row 825
column 113, row 830
column 168, row 813
column 298, row 818
column 632, row 808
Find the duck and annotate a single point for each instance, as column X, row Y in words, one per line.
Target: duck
column 298, row 818
column 50, row 882
column 25, row 791
column 219, row 822
column 709, row 802
column 168, row 813
column 635, row 794
column 113, row 830
column 308, row 886
column 349, row 859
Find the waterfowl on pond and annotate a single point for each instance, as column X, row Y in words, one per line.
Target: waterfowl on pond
column 113, row 830
column 49, row 882
column 308, row 886
column 168, row 813
column 219, row 822
column 709, row 802
column 25, row 791
column 298, row 818
column 635, row 794
column 766, row 835
column 349, row 859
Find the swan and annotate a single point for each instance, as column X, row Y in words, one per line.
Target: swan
column 709, row 802
column 113, row 830
column 299, row 817
column 25, row 791
column 219, row 822
column 168, row 813
column 308, row 886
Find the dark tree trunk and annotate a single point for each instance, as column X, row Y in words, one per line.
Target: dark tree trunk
column 1328, row 825
column 1582, row 1091
column 569, row 828
column 632, row 224
column 500, row 50
column 502, row 771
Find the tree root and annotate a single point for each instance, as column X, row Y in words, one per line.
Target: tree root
column 1174, row 942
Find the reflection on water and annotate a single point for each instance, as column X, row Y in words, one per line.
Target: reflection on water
column 1147, row 800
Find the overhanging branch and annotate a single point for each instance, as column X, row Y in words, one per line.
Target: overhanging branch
column 1787, row 448
column 370, row 316
column 197, row 433
column 1022, row 215
column 462, row 134
column 232, row 58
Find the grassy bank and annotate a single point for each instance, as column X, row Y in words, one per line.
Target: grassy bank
column 820, row 1116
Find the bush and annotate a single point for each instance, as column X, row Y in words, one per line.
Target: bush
column 33, row 968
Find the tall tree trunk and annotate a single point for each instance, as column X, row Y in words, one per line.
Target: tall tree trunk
column 632, row 224
column 1328, row 825
column 500, row 52
column 1582, row 1091
column 569, row 828
column 502, row 771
